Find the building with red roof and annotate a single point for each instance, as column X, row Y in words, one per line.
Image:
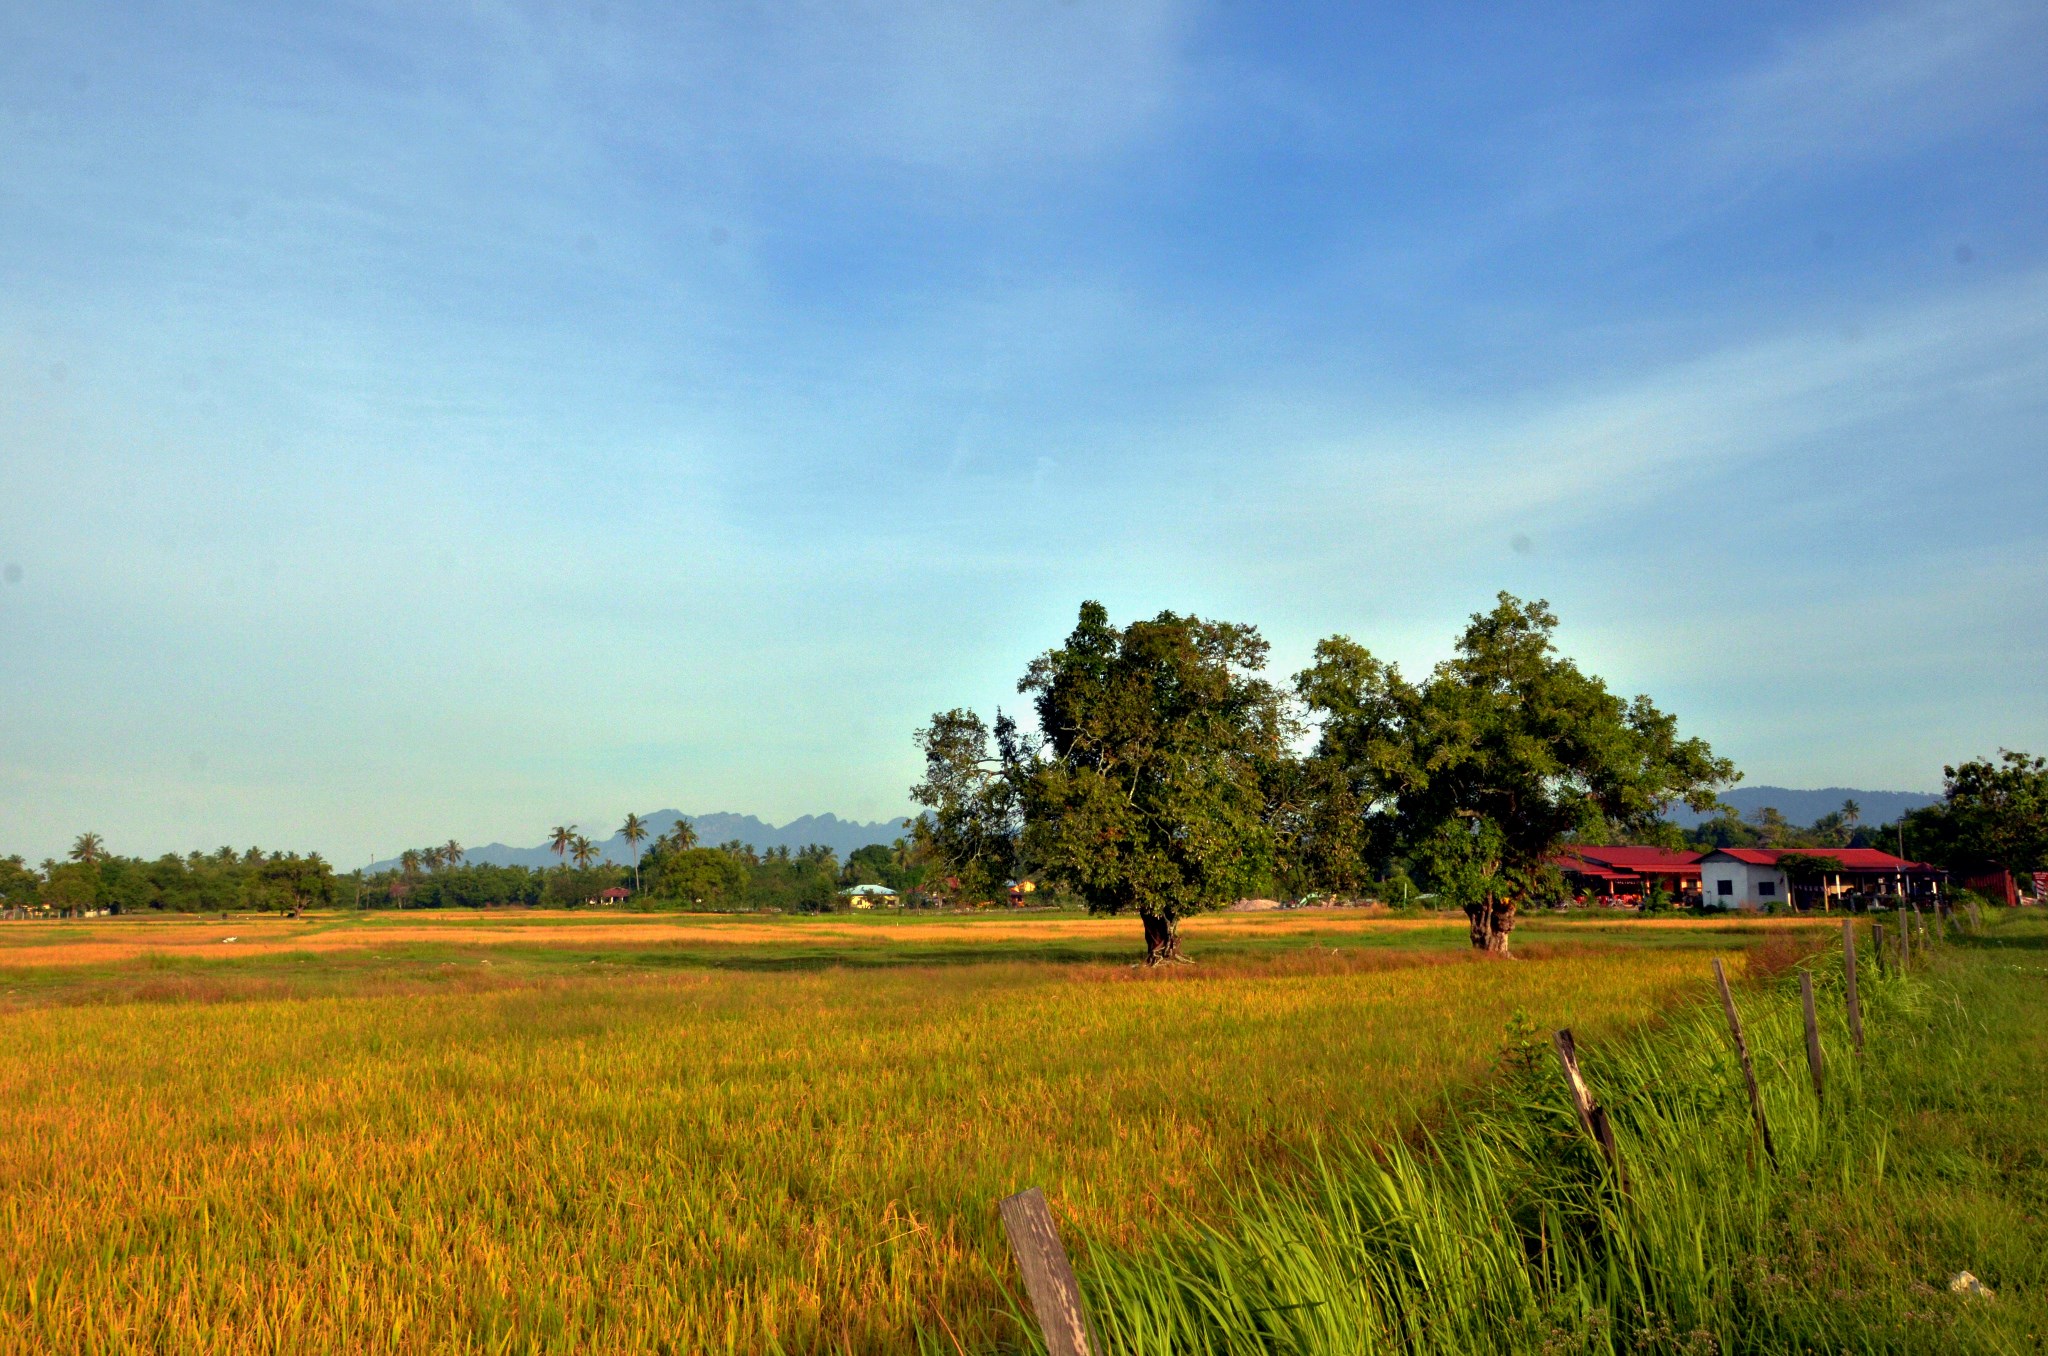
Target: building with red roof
column 1810, row 878
column 1626, row 873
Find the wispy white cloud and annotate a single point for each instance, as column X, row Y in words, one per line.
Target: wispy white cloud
column 1887, row 82
column 1816, row 103
column 1325, row 470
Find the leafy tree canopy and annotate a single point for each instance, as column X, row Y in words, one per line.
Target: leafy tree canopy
column 973, row 819
column 1153, row 781
column 1496, row 759
column 1993, row 812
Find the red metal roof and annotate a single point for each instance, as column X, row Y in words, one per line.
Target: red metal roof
column 1852, row 859
column 1658, row 859
column 1579, row 866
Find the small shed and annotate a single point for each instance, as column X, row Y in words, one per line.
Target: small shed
column 614, row 894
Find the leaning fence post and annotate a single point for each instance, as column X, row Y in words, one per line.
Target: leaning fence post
column 1813, row 1059
column 1849, row 985
column 1592, row 1116
column 1756, row 1101
column 1048, row 1275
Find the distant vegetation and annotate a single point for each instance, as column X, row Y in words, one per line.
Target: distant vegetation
column 1165, row 775
column 1993, row 812
column 674, row 873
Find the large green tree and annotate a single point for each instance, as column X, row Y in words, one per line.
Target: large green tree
column 1993, row 812
column 1150, row 784
column 1161, row 758
column 1484, row 769
column 20, row 887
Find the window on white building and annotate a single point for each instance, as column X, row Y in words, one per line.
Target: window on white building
column 1724, row 887
column 1765, row 889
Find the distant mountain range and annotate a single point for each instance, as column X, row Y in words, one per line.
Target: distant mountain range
column 1803, row 807
column 841, row 835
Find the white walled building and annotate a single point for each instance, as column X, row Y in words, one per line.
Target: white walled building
column 1729, row 882
column 1750, row 878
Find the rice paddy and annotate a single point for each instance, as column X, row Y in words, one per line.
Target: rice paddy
column 524, row 1133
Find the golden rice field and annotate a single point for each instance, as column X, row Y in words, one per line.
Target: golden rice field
column 538, row 1134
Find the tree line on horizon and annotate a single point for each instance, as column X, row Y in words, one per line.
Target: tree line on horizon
column 1165, row 775
column 673, row 871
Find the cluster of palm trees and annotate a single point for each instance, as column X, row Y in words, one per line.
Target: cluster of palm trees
column 413, row 860
column 565, row 842
column 569, row 845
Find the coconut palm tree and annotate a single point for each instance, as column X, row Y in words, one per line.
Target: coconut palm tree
column 634, row 831
column 88, row 848
column 561, row 840
column 584, row 851
column 409, row 861
column 683, row 835
column 452, row 853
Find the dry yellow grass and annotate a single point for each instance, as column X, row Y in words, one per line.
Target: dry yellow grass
column 695, row 1160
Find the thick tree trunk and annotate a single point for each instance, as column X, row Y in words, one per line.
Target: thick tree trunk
column 1162, row 940
column 1492, row 919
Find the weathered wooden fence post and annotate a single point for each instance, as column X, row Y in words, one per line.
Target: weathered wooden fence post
column 1592, row 1116
column 1813, row 1059
column 1756, row 1100
column 1849, row 985
column 1048, row 1275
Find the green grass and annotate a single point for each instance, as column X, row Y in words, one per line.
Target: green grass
column 1502, row 1231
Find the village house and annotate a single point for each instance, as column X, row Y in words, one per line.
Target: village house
column 1624, row 874
column 1752, row 878
column 867, row 896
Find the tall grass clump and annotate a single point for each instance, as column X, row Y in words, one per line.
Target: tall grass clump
column 1502, row 1229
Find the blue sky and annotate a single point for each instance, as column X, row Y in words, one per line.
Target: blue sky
column 426, row 420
